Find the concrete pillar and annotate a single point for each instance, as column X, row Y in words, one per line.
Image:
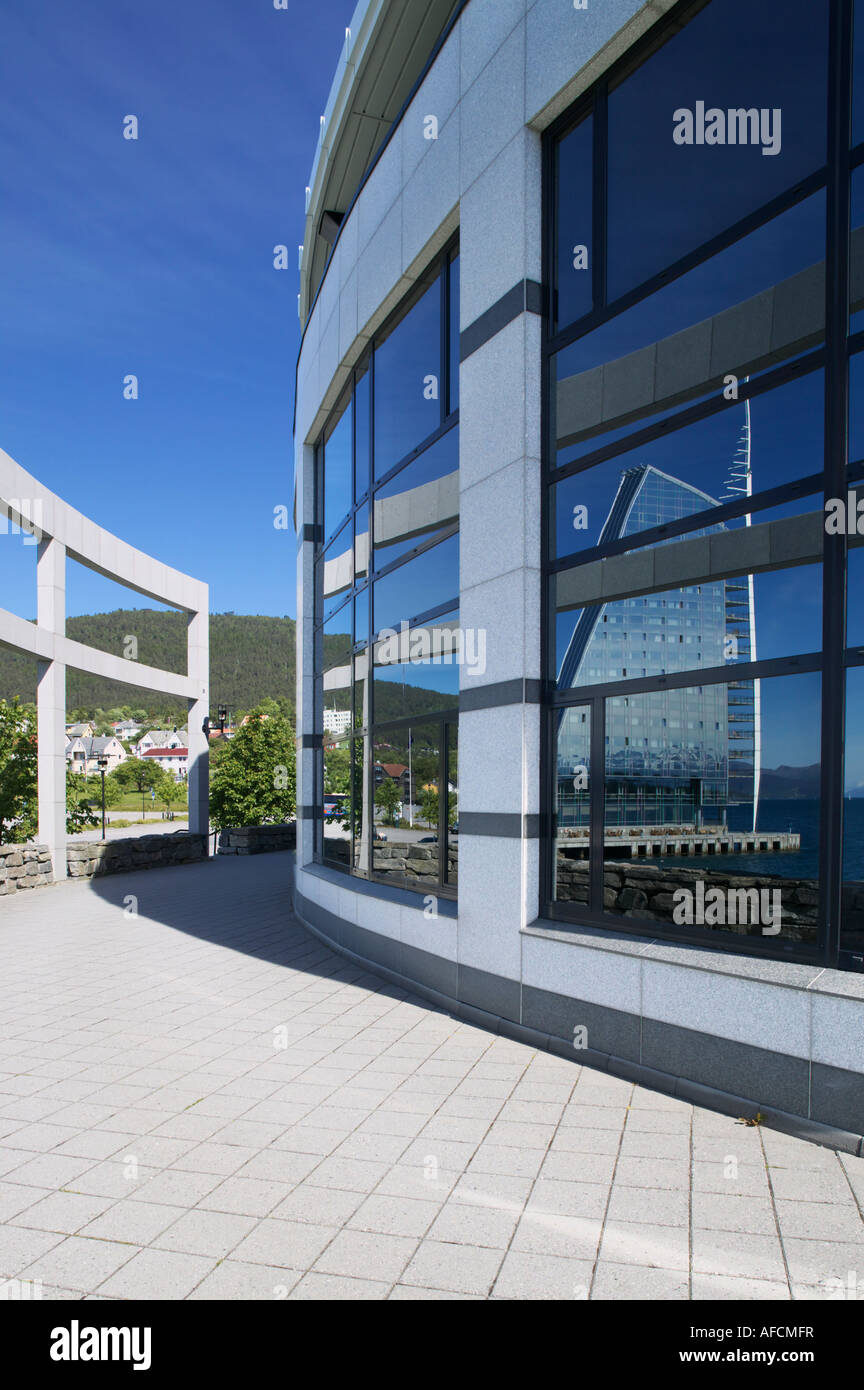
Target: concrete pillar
column 51, row 705
column 198, row 668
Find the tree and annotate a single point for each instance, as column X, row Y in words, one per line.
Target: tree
column 253, row 780
column 136, row 775
column 19, row 813
column 337, row 769
column 388, row 798
column 19, row 797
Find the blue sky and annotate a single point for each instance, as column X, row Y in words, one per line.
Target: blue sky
column 155, row 257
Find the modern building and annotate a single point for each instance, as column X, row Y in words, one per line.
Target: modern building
column 579, row 427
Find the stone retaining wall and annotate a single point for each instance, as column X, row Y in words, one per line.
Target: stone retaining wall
column 258, row 839
column 23, row 866
column 92, row 859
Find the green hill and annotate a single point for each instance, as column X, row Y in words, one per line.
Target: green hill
column 251, row 657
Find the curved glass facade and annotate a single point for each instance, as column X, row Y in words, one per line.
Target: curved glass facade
column 387, row 638
column 705, row 257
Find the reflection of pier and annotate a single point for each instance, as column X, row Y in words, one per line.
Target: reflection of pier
column 639, row 843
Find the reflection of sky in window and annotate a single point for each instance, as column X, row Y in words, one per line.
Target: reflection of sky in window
column 404, row 417
column 786, row 443
column 664, row 198
column 420, row 584
column 788, row 244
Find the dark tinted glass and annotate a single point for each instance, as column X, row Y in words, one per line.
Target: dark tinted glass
column 453, row 346
column 337, row 801
column 408, row 382
column 421, row 499
column 852, row 933
column 362, row 437
column 572, row 729
column 337, row 471
column 706, row 131
column 710, row 770
column 417, row 672
column 720, row 623
column 417, row 586
column 856, row 253
column 690, row 470
column 573, row 223
column 854, row 594
column 682, row 342
column 406, row 770
column 856, row 408
column 858, row 75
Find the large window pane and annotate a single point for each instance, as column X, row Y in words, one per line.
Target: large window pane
column 721, row 623
column 421, row 499
column 752, row 306
column 852, row 938
column 337, row 639
column 858, row 76
column 335, row 572
column 712, row 815
column 417, row 586
column 686, row 472
column 337, row 800
column 362, row 435
column 417, row 671
column 406, row 773
column 705, row 131
column 573, row 224
column 337, row 470
column 408, row 382
column 572, row 728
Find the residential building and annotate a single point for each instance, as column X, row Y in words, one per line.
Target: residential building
column 83, row 754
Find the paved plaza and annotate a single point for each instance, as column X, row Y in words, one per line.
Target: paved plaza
column 199, row 1100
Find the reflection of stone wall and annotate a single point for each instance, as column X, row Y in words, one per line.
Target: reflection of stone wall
column 23, row 866
column 853, row 917
column 417, row 864
column 645, row 891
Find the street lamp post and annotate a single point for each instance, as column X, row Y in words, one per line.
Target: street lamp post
column 103, row 767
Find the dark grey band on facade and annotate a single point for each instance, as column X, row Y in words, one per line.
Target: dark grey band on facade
column 733, row 1075
column 309, row 534
column 314, row 741
column 515, row 692
column 305, row 812
column 508, row 825
column 526, row 297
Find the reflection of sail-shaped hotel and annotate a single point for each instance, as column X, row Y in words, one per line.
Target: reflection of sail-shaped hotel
column 670, row 758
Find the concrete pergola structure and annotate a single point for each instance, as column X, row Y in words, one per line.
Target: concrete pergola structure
column 60, row 531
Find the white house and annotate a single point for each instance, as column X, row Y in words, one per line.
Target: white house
column 83, row 754
column 173, row 759
column 160, row 738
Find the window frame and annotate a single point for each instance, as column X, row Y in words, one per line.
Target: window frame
column 833, row 356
